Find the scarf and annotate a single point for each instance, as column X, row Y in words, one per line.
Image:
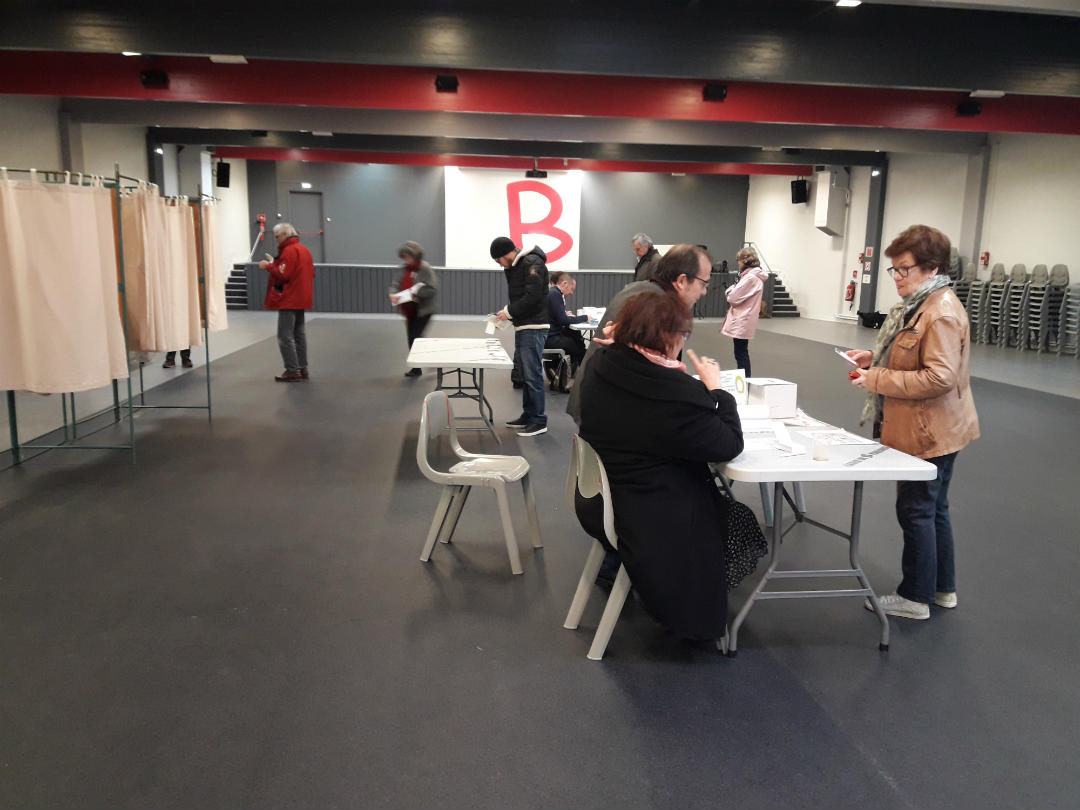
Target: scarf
column 659, row 358
column 894, row 322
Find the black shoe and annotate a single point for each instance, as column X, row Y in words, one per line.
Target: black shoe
column 169, row 364
column 520, row 422
column 532, row 430
column 186, row 363
column 414, row 372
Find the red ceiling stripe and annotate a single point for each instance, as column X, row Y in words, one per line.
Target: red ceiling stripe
column 486, row 162
column 406, row 88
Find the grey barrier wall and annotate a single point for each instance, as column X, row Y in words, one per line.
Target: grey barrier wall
column 363, row 288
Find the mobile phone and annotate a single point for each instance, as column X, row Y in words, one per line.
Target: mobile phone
column 843, row 354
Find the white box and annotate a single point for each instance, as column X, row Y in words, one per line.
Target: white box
column 779, row 395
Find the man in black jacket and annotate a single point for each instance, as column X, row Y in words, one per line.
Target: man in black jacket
column 527, row 287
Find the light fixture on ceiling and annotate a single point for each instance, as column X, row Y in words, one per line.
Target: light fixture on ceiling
column 322, row 133
column 848, row 3
column 130, row 53
column 305, row 185
column 228, row 59
column 772, row 149
column 159, row 150
column 875, row 172
column 986, row 94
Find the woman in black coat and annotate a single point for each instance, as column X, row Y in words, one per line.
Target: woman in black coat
column 655, row 428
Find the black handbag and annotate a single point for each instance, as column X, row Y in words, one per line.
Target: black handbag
column 745, row 542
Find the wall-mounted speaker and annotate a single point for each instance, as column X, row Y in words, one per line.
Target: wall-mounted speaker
column 223, row 170
column 154, row 78
column 800, row 192
column 968, row 108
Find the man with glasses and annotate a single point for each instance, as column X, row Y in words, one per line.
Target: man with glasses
column 683, row 271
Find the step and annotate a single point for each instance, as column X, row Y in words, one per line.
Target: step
column 785, row 314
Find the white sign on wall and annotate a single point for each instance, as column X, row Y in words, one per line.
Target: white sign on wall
column 484, row 203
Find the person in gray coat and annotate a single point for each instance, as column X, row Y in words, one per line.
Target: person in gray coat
column 648, row 257
column 414, row 294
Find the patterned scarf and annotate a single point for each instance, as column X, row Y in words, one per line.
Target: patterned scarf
column 895, row 321
column 659, row 358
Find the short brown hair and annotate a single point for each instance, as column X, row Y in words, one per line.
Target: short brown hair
column 680, row 260
column 929, row 246
column 652, row 321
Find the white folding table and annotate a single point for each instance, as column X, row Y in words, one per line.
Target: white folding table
column 847, row 462
column 459, row 365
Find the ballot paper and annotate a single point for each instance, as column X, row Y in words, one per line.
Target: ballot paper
column 801, row 419
column 836, row 436
column 768, row 434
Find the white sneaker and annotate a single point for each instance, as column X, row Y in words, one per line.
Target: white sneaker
column 945, row 599
column 895, row 605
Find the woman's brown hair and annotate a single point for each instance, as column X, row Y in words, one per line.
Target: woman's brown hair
column 652, row 321
column 929, row 246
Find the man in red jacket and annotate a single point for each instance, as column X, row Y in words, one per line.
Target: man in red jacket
column 289, row 291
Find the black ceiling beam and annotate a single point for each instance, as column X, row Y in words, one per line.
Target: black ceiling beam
column 427, row 145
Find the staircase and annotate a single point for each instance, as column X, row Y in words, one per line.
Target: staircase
column 236, row 289
column 782, row 306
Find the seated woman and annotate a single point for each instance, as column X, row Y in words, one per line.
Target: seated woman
column 656, row 428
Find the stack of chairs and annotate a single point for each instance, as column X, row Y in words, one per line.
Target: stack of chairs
column 962, row 284
column 1069, row 330
column 992, row 322
column 1055, row 297
column 1013, row 333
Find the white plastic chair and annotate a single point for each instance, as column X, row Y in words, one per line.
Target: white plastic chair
column 588, row 476
column 471, row 471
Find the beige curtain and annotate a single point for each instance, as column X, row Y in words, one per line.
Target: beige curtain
column 161, row 268
column 216, row 318
column 60, row 327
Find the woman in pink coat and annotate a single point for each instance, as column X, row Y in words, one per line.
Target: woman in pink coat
column 744, row 299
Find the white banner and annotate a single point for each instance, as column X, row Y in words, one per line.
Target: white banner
column 484, row 203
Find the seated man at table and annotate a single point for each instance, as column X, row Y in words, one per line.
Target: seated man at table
column 684, row 270
column 562, row 335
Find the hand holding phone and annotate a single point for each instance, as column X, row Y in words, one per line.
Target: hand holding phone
column 845, row 355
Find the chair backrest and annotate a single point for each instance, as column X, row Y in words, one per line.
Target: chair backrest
column 435, row 417
column 997, row 272
column 1059, row 275
column 1018, row 274
column 588, row 477
column 968, row 269
column 1040, row 276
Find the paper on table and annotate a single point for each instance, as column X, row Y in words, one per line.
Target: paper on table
column 836, row 436
column 801, row 419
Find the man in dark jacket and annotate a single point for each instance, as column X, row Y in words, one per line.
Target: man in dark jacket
column 648, row 257
column 527, row 286
column 290, row 290
column 562, row 335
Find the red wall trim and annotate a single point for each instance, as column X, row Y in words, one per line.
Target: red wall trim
column 522, row 163
column 406, row 88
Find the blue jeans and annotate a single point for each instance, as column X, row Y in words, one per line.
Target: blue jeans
column 922, row 507
column 292, row 339
column 529, row 347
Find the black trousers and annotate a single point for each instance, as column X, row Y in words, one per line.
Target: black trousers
column 573, row 345
column 414, row 327
column 742, row 355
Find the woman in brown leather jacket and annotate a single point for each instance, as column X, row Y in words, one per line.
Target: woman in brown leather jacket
column 919, row 397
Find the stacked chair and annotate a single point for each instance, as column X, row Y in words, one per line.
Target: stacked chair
column 1013, row 318
column 992, row 322
column 962, row 283
column 1055, row 297
column 1069, row 330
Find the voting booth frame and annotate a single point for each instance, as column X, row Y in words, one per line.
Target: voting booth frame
column 119, row 409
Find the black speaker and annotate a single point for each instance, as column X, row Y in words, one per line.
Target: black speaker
column 968, row 108
column 223, row 175
column 800, row 192
column 714, row 92
column 446, row 83
column 154, row 78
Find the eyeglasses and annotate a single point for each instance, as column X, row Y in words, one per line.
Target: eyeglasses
column 901, row 272
column 704, row 281
column 686, row 334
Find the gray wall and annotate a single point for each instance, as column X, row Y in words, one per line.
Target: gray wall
column 376, row 207
column 697, row 209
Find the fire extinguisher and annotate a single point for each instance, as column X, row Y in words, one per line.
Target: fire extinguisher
column 849, row 293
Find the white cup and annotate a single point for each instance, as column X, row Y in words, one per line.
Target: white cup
column 820, row 450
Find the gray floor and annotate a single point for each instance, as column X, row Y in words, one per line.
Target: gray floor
column 241, row 620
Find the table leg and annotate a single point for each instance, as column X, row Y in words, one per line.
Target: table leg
column 774, row 559
column 489, row 420
column 13, row 428
column 853, row 558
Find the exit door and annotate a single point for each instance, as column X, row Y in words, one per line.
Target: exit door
column 306, row 214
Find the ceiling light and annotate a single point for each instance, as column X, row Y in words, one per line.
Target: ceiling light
column 875, row 172
column 227, row 59
column 130, row 53
column 772, row 149
column 322, row 133
column 305, row 185
column 848, row 3
column 159, row 150
column 987, row 94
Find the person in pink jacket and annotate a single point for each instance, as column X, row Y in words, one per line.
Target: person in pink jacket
column 744, row 299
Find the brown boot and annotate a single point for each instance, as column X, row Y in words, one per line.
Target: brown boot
column 304, row 373
column 290, row 376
